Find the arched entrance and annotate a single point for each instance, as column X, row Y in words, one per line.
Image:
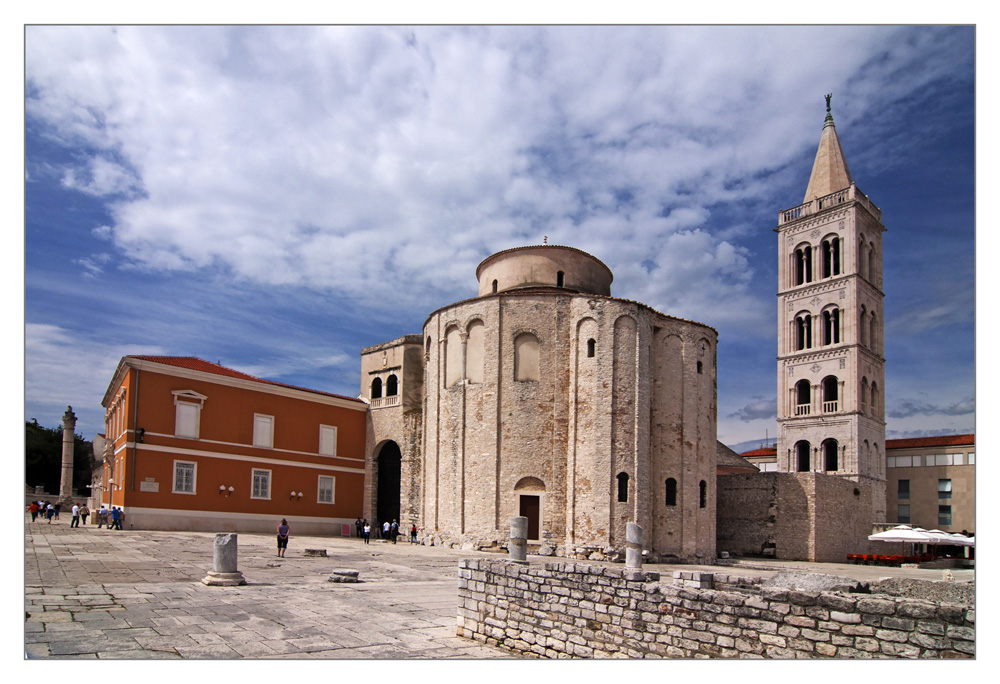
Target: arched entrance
column 388, row 460
column 530, row 493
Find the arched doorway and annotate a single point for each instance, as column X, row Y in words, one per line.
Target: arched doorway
column 530, row 493
column 388, row 460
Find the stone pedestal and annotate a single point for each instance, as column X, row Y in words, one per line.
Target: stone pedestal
column 633, row 546
column 348, row 576
column 224, row 572
column 518, row 547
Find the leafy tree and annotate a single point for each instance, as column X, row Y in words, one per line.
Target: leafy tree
column 43, row 459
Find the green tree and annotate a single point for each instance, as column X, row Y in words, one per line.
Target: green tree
column 43, row 459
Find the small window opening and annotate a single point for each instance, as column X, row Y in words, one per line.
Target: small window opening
column 622, row 487
column 830, row 449
column 591, row 348
column 560, row 277
column 671, row 499
column 702, row 494
column 494, row 287
column 700, row 368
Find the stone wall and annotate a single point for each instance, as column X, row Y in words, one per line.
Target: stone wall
column 560, row 610
column 794, row 516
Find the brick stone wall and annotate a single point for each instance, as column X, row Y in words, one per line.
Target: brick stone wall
column 560, row 610
column 801, row 516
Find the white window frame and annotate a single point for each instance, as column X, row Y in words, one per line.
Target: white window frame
column 188, row 398
column 253, row 477
column 258, row 438
column 332, row 488
column 328, row 446
column 194, row 477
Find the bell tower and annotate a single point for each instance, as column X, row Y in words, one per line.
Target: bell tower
column 831, row 369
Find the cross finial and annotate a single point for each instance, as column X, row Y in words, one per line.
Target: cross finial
column 828, row 102
column 545, row 239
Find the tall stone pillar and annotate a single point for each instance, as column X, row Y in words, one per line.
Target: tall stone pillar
column 68, row 442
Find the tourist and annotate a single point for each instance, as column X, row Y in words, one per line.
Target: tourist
column 56, row 507
column 366, row 530
column 84, row 512
column 385, row 530
column 357, row 527
column 282, row 538
column 394, row 530
column 50, row 512
column 115, row 518
column 75, row 521
column 33, row 509
column 413, row 534
column 102, row 516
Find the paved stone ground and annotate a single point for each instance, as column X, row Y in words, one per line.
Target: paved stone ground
column 93, row 593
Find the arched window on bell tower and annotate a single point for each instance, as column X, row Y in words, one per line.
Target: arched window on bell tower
column 803, row 265
column 802, row 450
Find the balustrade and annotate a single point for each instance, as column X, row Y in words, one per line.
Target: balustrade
column 830, row 407
column 384, row 402
column 802, row 410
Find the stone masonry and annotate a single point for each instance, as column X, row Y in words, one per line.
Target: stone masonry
column 561, row 610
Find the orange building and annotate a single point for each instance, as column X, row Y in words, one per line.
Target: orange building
column 192, row 445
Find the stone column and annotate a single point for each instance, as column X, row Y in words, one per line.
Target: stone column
column 518, row 547
column 224, row 572
column 68, row 442
column 633, row 546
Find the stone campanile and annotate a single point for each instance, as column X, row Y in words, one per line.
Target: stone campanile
column 831, row 369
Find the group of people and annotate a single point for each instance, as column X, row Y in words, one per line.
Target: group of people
column 388, row 530
column 112, row 519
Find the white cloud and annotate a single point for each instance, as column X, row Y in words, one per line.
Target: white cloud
column 385, row 162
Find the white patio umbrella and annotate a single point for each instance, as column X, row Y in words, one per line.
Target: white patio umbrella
column 903, row 534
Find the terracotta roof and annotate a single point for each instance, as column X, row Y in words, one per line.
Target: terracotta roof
column 940, row 440
column 765, row 451
column 196, row 364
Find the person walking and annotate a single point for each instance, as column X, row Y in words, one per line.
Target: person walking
column 102, row 516
column 84, row 512
column 357, row 527
column 57, row 507
column 366, row 529
column 282, row 538
column 413, row 534
column 75, row 521
column 115, row 517
column 394, row 530
column 385, row 530
column 50, row 512
column 33, row 509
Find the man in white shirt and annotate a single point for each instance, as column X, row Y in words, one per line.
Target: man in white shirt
column 75, row 522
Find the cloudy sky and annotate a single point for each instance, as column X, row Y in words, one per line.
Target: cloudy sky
column 275, row 199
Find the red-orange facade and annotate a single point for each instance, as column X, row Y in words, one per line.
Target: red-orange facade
column 197, row 446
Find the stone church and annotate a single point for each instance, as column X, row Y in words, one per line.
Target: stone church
column 546, row 397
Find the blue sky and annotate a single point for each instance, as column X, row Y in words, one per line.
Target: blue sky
column 275, row 199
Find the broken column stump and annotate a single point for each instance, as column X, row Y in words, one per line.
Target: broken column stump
column 224, row 572
column 349, row 576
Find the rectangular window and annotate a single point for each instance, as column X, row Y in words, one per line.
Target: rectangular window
column 959, row 459
column 903, row 461
column 944, row 489
column 325, row 489
column 327, row 440
column 186, row 419
column 944, row 515
column 972, row 458
column 928, row 459
column 263, row 431
column 903, row 513
column 903, row 489
column 184, row 477
column 942, row 459
column 261, row 488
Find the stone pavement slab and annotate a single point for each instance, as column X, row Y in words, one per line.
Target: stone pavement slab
column 132, row 594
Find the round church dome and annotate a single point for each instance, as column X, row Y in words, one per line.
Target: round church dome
column 544, row 266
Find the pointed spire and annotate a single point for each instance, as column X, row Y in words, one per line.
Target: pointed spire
column 830, row 172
